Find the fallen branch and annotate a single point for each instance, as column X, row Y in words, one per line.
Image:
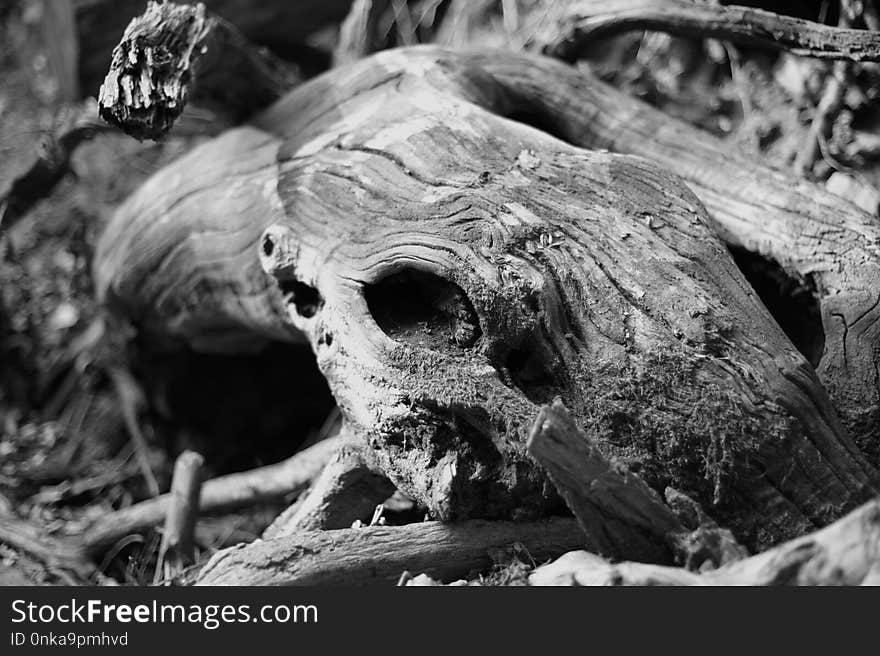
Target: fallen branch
column 175, row 53
column 827, row 110
column 846, row 552
column 176, row 550
column 379, row 554
column 346, row 490
column 576, row 25
column 622, row 517
column 620, row 514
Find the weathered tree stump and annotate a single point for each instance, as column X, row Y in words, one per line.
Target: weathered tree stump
column 431, row 223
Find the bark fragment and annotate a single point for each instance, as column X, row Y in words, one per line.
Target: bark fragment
column 172, row 54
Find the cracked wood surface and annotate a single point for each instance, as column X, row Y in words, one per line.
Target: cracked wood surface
column 545, row 270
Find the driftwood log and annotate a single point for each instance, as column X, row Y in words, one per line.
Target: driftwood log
column 444, row 230
column 801, row 230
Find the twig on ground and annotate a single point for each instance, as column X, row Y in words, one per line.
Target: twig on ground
column 177, row 550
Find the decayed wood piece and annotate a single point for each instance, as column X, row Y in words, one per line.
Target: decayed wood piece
column 177, row 548
column 808, row 231
column 280, row 25
column 346, row 490
column 623, row 518
column 573, row 25
column 454, row 268
column 845, row 553
column 172, row 54
column 379, row 554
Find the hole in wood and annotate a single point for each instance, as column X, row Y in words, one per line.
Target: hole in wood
column 304, row 298
column 268, row 246
column 531, row 368
column 792, row 302
column 423, row 309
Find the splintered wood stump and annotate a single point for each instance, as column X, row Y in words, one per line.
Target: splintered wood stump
column 433, row 225
column 165, row 50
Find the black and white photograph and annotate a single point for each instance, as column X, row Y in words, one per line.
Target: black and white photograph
column 434, row 293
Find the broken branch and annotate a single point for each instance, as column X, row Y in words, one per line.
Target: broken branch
column 623, row 517
column 379, row 554
column 575, row 25
column 176, row 550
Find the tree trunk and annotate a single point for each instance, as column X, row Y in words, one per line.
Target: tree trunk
column 455, row 264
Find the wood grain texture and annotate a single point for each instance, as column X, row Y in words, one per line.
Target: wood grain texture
column 380, row 554
column 536, row 268
column 811, row 233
